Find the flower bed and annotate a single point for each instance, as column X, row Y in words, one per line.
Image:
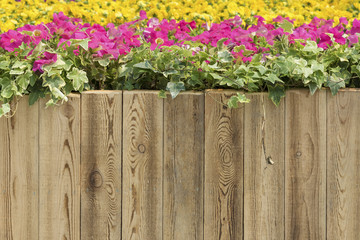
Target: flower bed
column 68, row 55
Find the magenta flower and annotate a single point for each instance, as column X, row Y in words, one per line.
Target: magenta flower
column 12, row 39
column 49, row 58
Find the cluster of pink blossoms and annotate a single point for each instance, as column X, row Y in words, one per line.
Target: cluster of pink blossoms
column 119, row 40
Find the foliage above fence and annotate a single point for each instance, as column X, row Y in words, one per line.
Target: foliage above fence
column 67, row 55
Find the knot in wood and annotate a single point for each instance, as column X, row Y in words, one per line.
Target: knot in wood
column 298, row 154
column 141, row 148
column 68, row 111
column 96, row 180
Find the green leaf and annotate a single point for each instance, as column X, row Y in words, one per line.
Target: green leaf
column 216, row 76
column 4, row 65
column 307, row 71
column 235, row 100
column 39, row 49
column 79, row 78
column 58, row 94
column 20, row 65
column 84, row 43
column 311, row 46
column 24, row 80
column 104, row 62
column 162, row 94
column 261, row 69
column 16, row 72
column 5, row 108
column 225, row 56
column 67, row 65
column 316, row 66
column 335, row 83
column 169, row 72
column 8, row 91
column 175, row 87
column 54, row 81
column 312, row 87
column 144, row 65
column 32, row 80
column 272, row 78
column 276, row 93
column 34, row 96
column 287, row 26
column 227, row 81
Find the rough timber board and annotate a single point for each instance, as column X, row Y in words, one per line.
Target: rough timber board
column 183, row 166
column 101, row 133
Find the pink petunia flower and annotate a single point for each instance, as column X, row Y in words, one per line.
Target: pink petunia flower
column 49, row 58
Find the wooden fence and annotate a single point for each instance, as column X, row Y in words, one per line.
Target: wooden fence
column 129, row 165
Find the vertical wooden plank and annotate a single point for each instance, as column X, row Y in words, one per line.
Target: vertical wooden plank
column 343, row 168
column 19, row 173
column 305, row 165
column 59, row 170
column 223, row 203
column 142, row 165
column 264, row 169
column 101, row 132
column 5, row 199
column 183, row 166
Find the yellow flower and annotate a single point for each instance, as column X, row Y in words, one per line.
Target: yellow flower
column 15, row 14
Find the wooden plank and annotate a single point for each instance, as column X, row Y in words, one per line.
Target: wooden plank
column 19, row 173
column 59, row 170
column 142, row 165
column 343, row 167
column 223, row 196
column 5, row 198
column 305, row 165
column 183, row 166
column 264, row 169
column 101, row 132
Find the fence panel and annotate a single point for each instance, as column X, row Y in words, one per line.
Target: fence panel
column 183, row 167
column 101, row 133
column 59, row 170
column 224, row 159
column 264, row 175
column 129, row 165
column 142, row 165
column 343, row 168
column 305, row 165
column 19, row 181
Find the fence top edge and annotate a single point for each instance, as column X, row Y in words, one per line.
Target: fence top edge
column 102, row 92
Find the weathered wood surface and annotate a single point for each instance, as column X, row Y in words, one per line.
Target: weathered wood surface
column 101, row 132
column 305, row 165
column 142, row 166
column 343, row 166
column 183, row 167
column 224, row 159
column 129, row 165
column 59, row 170
column 19, row 173
column 264, row 169
column 5, row 175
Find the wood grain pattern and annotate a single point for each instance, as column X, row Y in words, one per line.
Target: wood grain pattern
column 59, row 170
column 19, row 173
column 142, row 165
column 5, row 199
column 305, row 165
column 183, row 166
column 101, row 132
column 343, row 167
column 223, row 203
column 263, row 176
